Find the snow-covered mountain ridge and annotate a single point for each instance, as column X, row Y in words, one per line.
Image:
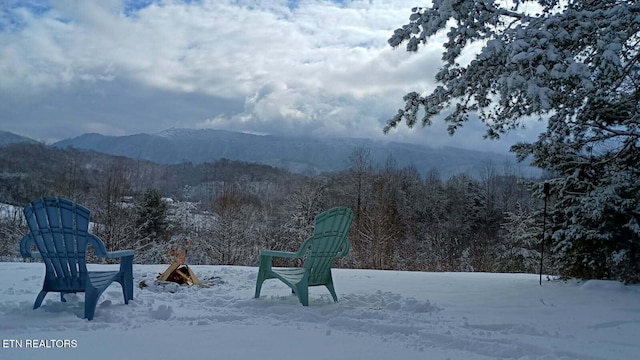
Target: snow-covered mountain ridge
column 301, row 155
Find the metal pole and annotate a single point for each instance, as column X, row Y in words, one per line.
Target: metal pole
column 544, row 226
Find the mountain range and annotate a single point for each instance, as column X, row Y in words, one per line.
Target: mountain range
column 7, row 138
column 307, row 155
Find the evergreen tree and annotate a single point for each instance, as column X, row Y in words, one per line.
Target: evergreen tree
column 519, row 250
column 576, row 63
column 152, row 217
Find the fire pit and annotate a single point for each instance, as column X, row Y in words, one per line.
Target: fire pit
column 179, row 272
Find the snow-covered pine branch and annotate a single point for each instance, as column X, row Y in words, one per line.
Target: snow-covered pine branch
column 575, row 64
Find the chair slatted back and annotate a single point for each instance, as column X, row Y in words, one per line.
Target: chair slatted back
column 59, row 228
column 329, row 238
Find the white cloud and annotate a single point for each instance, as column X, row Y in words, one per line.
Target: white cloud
column 258, row 66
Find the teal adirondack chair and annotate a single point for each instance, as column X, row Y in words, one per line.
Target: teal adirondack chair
column 59, row 229
column 329, row 240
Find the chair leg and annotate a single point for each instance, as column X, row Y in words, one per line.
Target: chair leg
column 91, row 296
column 127, row 288
column 39, row 299
column 259, row 281
column 264, row 273
column 265, row 265
column 302, row 292
column 126, row 267
column 128, row 283
column 331, row 289
column 333, row 292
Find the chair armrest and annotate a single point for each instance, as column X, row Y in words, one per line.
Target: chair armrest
column 345, row 249
column 100, row 250
column 25, row 247
column 119, row 254
column 284, row 254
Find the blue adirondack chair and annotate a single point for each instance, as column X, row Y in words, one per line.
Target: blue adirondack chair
column 329, row 240
column 59, row 229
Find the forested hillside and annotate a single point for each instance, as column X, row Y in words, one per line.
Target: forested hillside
column 225, row 212
column 304, row 155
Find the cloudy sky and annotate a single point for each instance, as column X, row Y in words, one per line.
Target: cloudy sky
column 119, row 67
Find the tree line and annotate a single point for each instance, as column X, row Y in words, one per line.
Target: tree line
column 225, row 212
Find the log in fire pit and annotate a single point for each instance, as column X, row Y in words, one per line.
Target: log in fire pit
column 179, row 272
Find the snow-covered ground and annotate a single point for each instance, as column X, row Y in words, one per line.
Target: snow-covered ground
column 380, row 315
